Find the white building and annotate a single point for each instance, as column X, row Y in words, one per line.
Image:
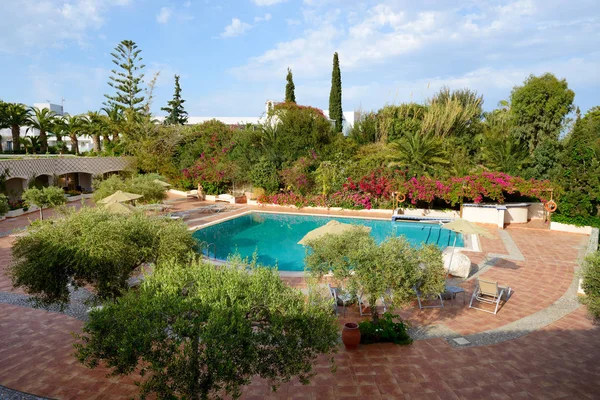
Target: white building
column 350, row 117
column 85, row 142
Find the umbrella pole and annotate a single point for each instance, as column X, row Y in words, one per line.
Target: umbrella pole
column 451, row 255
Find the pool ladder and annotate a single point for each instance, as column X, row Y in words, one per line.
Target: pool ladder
column 208, row 245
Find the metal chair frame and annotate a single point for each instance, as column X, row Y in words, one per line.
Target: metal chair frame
column 490, row 293
column 432, row 296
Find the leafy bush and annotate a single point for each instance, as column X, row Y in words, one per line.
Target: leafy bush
column 198, row 331
column 577, row 220
column 384, row 330
column 264, row 175
column 388, row 270
column 93, row 247
column 581, row 168
column 17, row 204
column 298, row 177
column 46, row 197
column 590, row 272
column 3, row 204
column 151, row 191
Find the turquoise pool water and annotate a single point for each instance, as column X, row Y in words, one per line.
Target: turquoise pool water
column 275, row 237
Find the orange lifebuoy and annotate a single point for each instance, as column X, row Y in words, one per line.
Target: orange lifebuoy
column 401, row 198
column 550, row 206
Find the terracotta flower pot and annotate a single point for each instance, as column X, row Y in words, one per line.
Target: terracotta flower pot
column 351, row 335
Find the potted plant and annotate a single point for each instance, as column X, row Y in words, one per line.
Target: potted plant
column 351, row 335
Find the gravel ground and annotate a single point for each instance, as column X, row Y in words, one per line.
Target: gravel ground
column 9, row 394
column 77, row 308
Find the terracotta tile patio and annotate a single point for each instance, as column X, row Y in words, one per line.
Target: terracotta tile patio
column 559, row 361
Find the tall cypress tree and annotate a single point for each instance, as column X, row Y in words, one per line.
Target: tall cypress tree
column 335, row 96
column 127, row 77
column 290, row 96
column 177, row 115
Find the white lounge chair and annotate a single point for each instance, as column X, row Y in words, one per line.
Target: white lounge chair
column 490, row 293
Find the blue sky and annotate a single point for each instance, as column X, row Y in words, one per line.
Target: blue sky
column 232, row 55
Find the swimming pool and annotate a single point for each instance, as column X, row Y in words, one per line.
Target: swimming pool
column 275, row 237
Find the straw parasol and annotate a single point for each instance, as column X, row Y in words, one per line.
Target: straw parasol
column 333, row 228
column 460, row 225
column 119, row 208
column 120, row 196
column 162, row 183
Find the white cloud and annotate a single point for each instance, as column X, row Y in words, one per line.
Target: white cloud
column 267, row 2
column 392, row 51
column 164, row 15
column 236, row 28
column 372, row 36
column 266, row 17
column 188, row 3
column 30, row 24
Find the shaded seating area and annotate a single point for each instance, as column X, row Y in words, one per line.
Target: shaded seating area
column 488, row 292
column 422, row 297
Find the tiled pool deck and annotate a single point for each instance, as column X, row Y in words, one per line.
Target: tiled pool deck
column 556, row 361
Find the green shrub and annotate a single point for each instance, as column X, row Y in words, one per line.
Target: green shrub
column 45, row 197
column 197, row 331
column 151, row 191
column 264, row 175
column 93, row 247
column 384, row 330
column 3, row 204
column 388, row 270
column 590, row 272
column 578, row 220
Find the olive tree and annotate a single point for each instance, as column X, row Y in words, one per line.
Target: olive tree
column 92, row 247
column 389, row 270
column 198, row 331
column 50, row 196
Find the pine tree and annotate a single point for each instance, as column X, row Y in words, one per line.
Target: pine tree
column 335, row 96
column 177, row 115
column 127, row 77
column 290, row 96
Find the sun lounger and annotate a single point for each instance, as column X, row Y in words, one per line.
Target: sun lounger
column 490, row 293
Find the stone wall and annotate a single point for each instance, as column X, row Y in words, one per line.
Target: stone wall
column 26, row 168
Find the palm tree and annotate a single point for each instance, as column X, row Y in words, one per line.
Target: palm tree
column 115, row 119
column 419, row 152
column 505, row 154
column 73, row 125
column 95, row 126
column 15, row 116
column 43, row 120
column 30, row 143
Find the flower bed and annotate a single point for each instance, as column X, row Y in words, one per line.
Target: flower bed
column 376, row 190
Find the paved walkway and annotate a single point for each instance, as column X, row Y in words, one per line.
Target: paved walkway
column 559, row 361
column 556, row 361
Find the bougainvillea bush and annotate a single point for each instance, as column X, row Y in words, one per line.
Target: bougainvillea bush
column 212, row 169
column 375, row 191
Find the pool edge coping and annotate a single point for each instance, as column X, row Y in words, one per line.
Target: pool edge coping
column 471, row 242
